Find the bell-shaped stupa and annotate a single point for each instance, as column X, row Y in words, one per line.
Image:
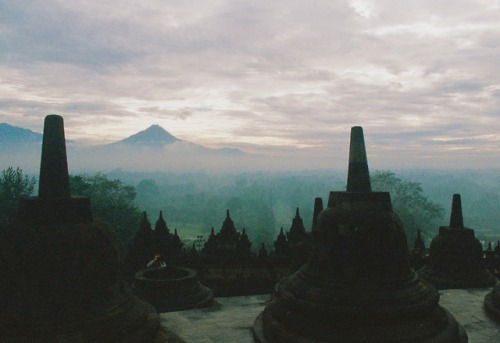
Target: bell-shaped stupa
column 456, row 256
column 59, row 269
column 358, row 285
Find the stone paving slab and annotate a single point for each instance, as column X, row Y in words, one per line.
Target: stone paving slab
column 466, row 305
column 231, row 319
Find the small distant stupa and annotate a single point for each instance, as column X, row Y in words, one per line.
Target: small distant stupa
column 456, row 256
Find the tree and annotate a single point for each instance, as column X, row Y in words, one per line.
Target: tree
column 409, row 202
column 14, row 185
column 112, row 202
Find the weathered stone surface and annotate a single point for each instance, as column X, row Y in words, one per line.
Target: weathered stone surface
column 358, row 285
column 456, row 256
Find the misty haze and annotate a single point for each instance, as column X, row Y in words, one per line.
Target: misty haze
column 193, row 185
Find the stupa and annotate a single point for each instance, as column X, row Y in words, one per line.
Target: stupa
column 281, row 246
column 456, row 256
column 60, row 268
column 297, row 233
column 419, row 254
column 358, row 285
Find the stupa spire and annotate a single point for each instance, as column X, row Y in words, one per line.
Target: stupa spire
column 54, row 203
column 54, row 176
column 318, row 207
column 145, row 225
column 358, row 176
column 456, row 218
column 161, row 225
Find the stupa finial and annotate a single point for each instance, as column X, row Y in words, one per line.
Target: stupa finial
column 456, row 218
column 54, row 176
column 318, row 207
column 358, row 176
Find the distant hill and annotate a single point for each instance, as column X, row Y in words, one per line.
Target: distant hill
column 14, row 135
column 151, row 149
column 154, row 135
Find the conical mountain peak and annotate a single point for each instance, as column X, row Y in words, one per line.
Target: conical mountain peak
column 153, row 135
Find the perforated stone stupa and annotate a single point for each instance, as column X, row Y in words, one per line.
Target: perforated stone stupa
column 456, row 256
column 358, row 285
column 59, row 279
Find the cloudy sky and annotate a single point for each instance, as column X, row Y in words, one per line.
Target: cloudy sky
column 275, row 77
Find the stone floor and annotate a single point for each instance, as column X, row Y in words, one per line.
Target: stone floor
column 231, row 320
column 466, row 305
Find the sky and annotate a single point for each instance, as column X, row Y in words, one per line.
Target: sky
column 280, row 78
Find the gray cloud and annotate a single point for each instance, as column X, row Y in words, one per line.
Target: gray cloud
column 274, row 77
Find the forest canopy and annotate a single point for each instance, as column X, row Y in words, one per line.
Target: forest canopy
column 14, row 185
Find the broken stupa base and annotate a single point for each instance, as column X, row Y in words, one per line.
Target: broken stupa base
column 172, row 289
